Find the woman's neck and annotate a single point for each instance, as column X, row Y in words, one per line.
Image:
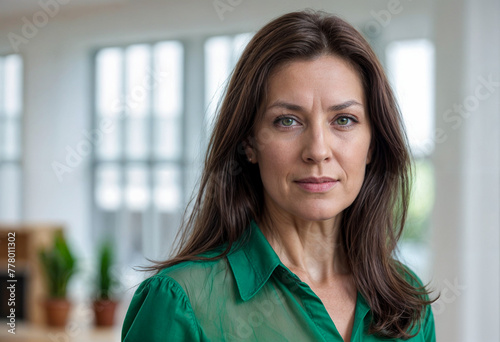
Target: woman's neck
column 309, row 249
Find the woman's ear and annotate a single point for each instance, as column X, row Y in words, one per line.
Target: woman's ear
column 249, row 150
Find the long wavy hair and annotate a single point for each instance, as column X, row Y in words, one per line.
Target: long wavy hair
column 230, row 192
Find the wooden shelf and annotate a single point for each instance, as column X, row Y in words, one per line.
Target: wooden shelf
column 29, row 239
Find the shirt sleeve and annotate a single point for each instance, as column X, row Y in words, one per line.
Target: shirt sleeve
column 160, row 311
column 427, row 328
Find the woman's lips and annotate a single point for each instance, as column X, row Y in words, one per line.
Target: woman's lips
column 313, row 184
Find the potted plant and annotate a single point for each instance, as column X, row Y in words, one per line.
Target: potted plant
column 59, row 266
column 104, row 305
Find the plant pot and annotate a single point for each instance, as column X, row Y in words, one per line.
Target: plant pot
column 57, row 311
column 104, row 312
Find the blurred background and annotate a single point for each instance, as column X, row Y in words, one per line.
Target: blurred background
column 106, row 110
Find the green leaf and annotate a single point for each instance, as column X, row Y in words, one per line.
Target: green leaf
column 59, row 265
column 105, row 278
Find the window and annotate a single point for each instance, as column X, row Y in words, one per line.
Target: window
column 411, row 71
column 11, row 109
column 138, row 164
column 140, row 173
column 221, row 55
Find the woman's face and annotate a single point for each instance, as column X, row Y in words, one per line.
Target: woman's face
column 312, row 142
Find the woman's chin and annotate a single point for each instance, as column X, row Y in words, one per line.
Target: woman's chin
column 316, row 214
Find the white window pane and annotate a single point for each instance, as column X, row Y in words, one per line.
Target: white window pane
column 168, row 138
column 411, row 67
column 109, row 147
column 168, row 79
column 108, row 187
column 13, row 84
column 136, row 231
column 167, row 189
column 221, row 53
column 239, row 43
column 11, row 141
column 137, row 137
column 137, row 189
column 10, row 195
column 138, row 87
column 109, row 81
column 217, row 68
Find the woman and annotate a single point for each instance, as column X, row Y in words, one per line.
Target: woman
column 303, row 197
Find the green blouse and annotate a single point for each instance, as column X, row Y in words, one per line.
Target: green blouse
column 248, row 296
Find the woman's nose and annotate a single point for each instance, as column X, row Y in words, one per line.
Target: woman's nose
column 316, row 147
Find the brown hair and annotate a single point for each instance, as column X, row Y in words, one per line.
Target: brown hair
column 231, row 192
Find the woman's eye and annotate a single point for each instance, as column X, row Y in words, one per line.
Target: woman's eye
column 343, row 121
column 285, row 122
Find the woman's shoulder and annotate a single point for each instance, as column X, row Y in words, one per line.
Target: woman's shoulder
column 178, row 290
column 191, row 275
column 409, row 275
column 426, row 329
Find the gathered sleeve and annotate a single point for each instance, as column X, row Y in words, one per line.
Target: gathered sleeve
column 428, row 329
column 160, row 311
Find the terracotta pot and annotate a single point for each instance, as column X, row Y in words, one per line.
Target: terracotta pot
column 57, row 311
column 104, row 312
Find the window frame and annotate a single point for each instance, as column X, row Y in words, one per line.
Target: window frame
column 123, row 161
column 18, row 120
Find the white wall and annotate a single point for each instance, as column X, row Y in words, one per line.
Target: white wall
column 466, row 216
column 466, row 242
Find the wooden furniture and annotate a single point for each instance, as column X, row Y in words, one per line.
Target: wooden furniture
column 74, row 332
column 31, row 286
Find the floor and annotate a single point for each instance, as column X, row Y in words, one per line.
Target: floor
column 72, row 333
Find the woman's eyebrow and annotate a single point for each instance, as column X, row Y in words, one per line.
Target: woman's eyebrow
column 294, row 107
column 344, row 105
